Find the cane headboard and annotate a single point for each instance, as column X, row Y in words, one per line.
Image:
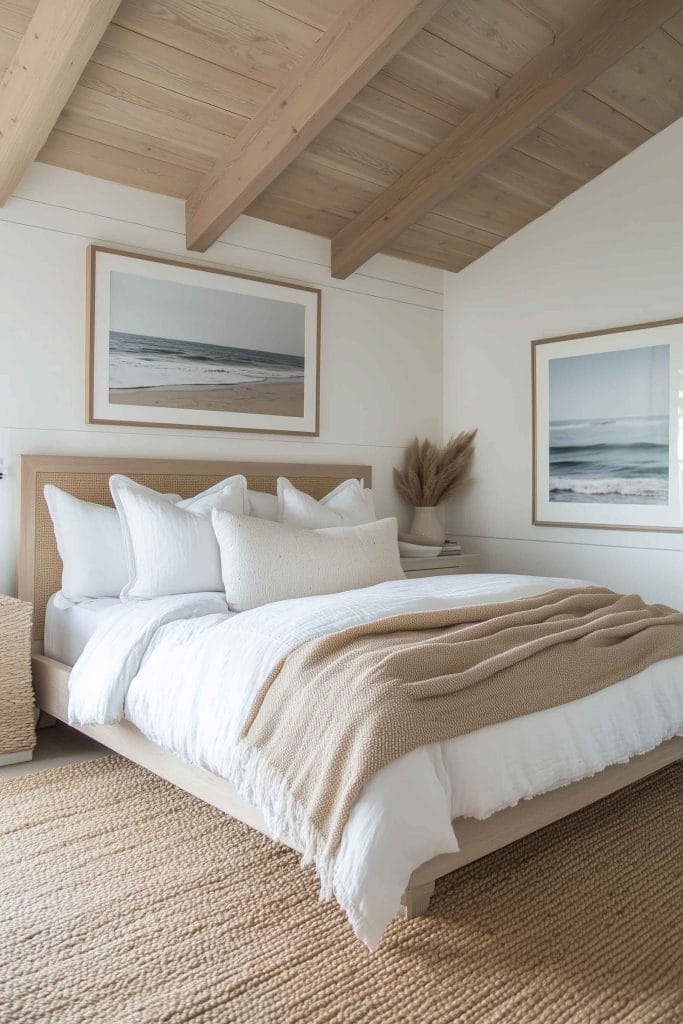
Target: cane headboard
column 40, row 567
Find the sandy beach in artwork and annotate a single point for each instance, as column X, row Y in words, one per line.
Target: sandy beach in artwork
column 269, row 397
column 167, row 373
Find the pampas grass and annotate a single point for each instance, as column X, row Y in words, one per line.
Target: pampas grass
column 431, row 474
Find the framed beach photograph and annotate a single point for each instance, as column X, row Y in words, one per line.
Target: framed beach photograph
column 608, row 428
column 178, row 345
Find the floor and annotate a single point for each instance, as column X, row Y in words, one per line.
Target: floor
column 57, row 745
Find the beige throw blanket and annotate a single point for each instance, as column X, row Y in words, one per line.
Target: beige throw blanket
column 339, row 708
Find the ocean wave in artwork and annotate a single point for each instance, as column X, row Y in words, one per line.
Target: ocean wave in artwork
column 644, row 489
column 616, row 461
column 140, row 361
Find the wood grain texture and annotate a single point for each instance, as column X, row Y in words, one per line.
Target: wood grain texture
column 580, row 53
column 153, row 110
column 674, row 28
column 150, row 60
column 357, row 44
column 57, row 44
column 88, row 156
column 647, row 85
column 248, row 37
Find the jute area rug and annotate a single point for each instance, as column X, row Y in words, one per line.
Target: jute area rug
column 126, row 901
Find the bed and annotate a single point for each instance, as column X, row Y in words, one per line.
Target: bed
column 39, row 578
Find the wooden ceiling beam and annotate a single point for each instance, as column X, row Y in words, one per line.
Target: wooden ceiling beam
column 354, row 48
column 576, row 57
column 53, row 52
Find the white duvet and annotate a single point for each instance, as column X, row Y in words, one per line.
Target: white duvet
column 184, row 671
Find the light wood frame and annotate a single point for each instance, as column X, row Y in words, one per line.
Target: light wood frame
column 535, row 344
column 50, row 677
column 93, row 250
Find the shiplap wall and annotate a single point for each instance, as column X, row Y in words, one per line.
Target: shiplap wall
column 381, row 363
column 610, row 255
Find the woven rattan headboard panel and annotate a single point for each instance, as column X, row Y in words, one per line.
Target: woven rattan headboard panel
column 40, row 567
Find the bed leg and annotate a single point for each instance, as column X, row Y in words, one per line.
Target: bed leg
column 415, row 902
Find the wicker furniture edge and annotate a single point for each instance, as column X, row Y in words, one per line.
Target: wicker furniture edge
column 38, row 558
column 17, row 728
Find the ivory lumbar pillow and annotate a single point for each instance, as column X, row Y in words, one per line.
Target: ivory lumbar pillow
column 171, row 547
column 264, row 561
column 349, row 504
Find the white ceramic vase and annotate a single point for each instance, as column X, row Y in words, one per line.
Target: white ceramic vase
column 427, row 525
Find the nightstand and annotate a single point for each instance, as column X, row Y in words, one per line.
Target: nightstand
column 440, row 565
column 17, row 728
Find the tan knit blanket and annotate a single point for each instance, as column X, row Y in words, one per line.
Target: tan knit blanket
column 339, row 708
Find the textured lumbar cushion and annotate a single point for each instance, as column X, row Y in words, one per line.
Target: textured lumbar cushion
column 264, row 561
column 90, row 544
column 171, row 547
column 349, row 504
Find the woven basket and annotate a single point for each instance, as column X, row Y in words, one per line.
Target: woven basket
column 17, row 730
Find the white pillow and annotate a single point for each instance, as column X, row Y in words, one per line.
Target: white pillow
column 263, row 505
column 90, row 545
column 171, row 548
column 349, row 504
column 263, row 561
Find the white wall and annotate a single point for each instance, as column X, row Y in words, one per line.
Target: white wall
column 381, row 361
column 610, row 255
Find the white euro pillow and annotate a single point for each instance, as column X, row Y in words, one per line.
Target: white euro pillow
column 264, row 561
column 349, row 504
column 171, row 548
column 90, row 545
column 263, row 505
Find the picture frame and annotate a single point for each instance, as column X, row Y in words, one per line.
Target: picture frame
column 176, row 344
column 607, row 428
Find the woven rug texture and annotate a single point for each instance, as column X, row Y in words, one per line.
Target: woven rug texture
column 124, row 900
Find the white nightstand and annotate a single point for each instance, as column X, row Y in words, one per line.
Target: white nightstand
column 440, row 565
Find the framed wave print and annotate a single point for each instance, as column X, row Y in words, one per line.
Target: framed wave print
column 608, row 428
column 179, row 345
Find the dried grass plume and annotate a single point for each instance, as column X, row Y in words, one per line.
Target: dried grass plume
column 431, row 474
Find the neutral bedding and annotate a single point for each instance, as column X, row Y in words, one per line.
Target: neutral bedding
column 372, row 693
column 186, row 673
column 69, row 625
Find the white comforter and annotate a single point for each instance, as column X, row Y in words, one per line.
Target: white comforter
column 184, row 670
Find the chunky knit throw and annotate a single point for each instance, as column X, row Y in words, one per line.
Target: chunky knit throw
column 339, row 708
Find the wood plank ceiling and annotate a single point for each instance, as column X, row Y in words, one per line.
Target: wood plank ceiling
column 172, row 81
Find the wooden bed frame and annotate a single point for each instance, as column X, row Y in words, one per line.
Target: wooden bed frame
column 40, row 576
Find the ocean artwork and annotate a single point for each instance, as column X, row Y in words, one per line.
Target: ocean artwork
column 176, row 344
column 620, row 461
column 609, row 427
column 197, row 375
column 182, row 346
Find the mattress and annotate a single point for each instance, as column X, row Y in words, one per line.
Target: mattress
column 68, row 626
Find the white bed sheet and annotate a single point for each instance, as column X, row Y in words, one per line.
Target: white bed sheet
column 186, row 674
column 69, row 626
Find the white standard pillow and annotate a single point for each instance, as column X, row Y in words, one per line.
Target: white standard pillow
column 263, row 505
column 171, row 548
column 349, row 504
column 90, row 545
column 264, row 561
